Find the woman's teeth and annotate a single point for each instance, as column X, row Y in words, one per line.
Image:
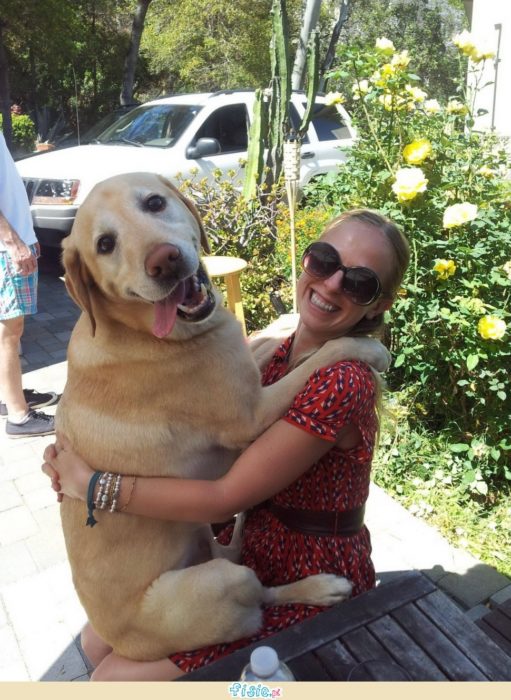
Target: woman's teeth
column 317, row 301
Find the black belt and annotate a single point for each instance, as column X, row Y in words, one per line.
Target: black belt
column 319, row 523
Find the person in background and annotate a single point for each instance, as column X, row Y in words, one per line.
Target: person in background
column 306, row 479
column 19, row 251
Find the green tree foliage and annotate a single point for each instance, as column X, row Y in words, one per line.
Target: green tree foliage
column 202, row 45
column 424, row 27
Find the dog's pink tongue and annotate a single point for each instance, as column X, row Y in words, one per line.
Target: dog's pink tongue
column 166, row 311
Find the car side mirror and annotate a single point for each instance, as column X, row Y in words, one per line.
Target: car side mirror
column 203, row 147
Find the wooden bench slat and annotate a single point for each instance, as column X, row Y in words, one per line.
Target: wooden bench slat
column 308, row 666
column 442, row 650
column 323, row 628
column 503, row 642
column 405, row 650
column 336, row 659
column 462, row 632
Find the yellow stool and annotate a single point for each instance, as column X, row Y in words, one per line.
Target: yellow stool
column 229, row 269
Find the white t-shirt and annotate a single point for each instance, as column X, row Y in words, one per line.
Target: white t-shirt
column 13, row 198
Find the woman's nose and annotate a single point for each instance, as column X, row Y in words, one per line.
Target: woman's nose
column 334, row 282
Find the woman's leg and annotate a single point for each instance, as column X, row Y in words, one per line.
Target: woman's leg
column 94, row 647
column 111, row 667
column 118, row 668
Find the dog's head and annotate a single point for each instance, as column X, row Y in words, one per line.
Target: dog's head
column 135, row 246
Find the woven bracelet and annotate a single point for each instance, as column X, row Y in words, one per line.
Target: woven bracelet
column 91, row 520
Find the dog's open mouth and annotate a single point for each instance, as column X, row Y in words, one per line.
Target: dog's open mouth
column 192, row 300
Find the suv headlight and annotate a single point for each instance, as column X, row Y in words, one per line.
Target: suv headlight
column 56, row 192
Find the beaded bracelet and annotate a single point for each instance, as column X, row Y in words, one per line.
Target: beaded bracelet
column 91, row 520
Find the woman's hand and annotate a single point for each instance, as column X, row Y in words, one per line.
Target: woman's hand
column 68, row 472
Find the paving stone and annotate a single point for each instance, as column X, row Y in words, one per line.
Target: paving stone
column 52, row 655
column 9, row 496
column 477, row 612
column 16, row 562
column 501, row 596
column 31, row 482
column 3, row 616
column 12, row 666
column 16, row 524
column 30, row 605
column 474, row 586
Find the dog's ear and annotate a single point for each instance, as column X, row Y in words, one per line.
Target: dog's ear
column 78, row 281
column 191, row 206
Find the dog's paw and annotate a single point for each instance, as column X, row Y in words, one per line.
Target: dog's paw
column 320, row 589
column 329, row 589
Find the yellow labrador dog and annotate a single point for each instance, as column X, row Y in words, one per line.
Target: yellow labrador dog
column 161, row 382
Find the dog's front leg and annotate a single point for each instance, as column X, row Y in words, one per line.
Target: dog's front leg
column 275, row 399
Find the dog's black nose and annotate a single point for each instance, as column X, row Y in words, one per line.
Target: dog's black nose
column 161, row 261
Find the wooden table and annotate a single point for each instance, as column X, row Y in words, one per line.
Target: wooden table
column 407, row 622
column 229, row 269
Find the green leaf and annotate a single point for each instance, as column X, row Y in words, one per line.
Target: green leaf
column 501, row 395
column 459, row 447
column 400, row 360
column 472, row 362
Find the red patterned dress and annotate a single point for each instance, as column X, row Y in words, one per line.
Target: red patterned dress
column 332, row 398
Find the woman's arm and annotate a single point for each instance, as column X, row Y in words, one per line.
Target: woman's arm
column 276, row 459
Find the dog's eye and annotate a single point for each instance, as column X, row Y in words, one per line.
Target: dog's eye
column 105, row 244
column 155, row 203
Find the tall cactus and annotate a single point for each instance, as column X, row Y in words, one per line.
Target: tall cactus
column 270, row 123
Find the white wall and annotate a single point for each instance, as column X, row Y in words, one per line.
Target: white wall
column 496, row 98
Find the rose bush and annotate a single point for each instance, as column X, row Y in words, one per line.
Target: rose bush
column 446, row 184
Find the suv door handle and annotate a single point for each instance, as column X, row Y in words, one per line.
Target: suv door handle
column 308, row 154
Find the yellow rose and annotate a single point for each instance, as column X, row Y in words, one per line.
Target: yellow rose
column 400, row 60
column 444, row 268
column 481, row 54
column 334, row 98
column 409, row 182
column 465, row 42
column 360, row 89
column 417, row 151
column 432, row 107
column 459, row 214
column 491, row 327
column 416, row 93
column 385, row 46
column 456, row 107
column 485, row 171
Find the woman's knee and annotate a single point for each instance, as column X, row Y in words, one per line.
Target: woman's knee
column 116, row 668
column 95, row 649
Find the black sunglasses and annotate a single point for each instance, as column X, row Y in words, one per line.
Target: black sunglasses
column 360, row 284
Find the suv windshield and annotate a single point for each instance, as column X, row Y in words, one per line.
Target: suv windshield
column 151, row 125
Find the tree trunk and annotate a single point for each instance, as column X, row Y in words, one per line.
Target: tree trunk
column 310, row 20
column 5, row 92
column 344, row 11
column 130, row 62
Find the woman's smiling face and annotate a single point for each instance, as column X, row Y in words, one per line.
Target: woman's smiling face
column 325, row 309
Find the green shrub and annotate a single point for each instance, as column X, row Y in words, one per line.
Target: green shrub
column 23, row 132
column 427, row 168
column 244, row 229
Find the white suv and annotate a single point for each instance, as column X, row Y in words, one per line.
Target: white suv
column 179, row 134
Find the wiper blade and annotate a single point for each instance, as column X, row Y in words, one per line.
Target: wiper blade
column 132, row 143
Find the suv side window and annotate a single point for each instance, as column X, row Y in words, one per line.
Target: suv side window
column 229, row 125
column 328, row 123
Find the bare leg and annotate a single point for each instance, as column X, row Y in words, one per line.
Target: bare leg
column 94, row 647
column 11, row 390
column 111, row 667
column 118, row 668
